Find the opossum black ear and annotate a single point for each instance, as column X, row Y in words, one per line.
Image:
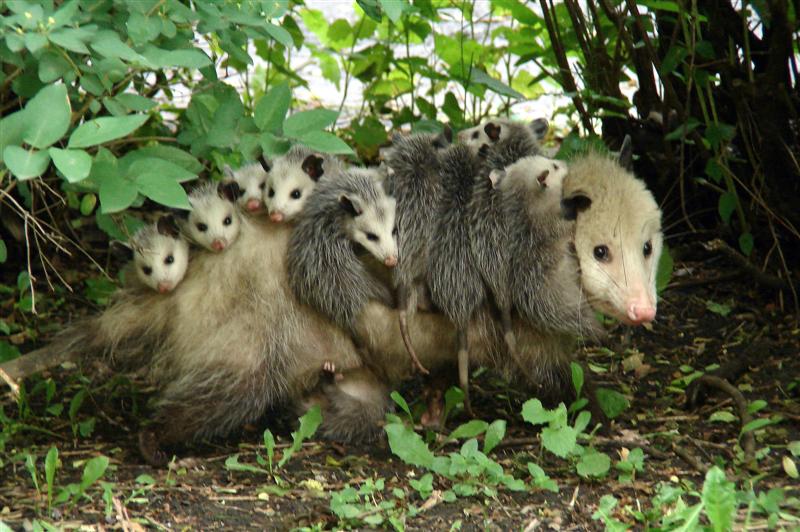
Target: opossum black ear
column 448, row 133
column 495, row 176
column 626, row 154
column 492, row 131
column 266, row 164
column 540, row 126
column 483, row 151
column 227, row 171
column 312, row 165
column 167, row 226
column 443, row 139
column 350, row 207
column 571, row 206
column 229, row 190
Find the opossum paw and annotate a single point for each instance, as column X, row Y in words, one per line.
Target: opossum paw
column 151, row 450
column 329, row 372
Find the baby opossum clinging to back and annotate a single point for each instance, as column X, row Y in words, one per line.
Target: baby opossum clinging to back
column 160, row 255
column 252, row 180
column 342, row 219
column 214, row 221
column 499, row 129
column 291, row 179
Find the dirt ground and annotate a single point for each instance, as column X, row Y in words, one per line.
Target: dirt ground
column 647, row 366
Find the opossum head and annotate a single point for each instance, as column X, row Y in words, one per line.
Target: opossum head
column 498, row 129
column 213, row 222
column 370, row 223
column 289, row 184
column 252, row 181
column 618, row 238
column 539, row 178
column 160, row 255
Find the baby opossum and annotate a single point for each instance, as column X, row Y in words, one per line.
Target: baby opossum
column 214, row 221
column 291, row 179
column 252, row 180
column 618, row 240
column 499, row 129
column 160, row 255
column 341, row 217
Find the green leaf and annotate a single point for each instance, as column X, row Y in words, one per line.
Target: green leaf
column 71, row 39
column 398, row 399
column 88, row 203
column 271, row 109
column 533, row 412
column 719, row 499
column 577, row 377
column 559, row 441
column 108, row 44
column 593, row 464
column 117, row 194
column 12, row 128
column 232, row 464
column 3, row 252
column 723, row 416
column 104, row 129
column 727, row 204
column 135, row 102
column 269, row 445
column 155, row 165
column 74, row 164
column 309, row 423
column 716, row 134
column 718, row 308
column 304, row 122
column 94, row 469
column 482, row 78
column 746, row 243
column 186, row 57
column 408, row 445
column 665, row 268
column 25, row 164
column 325, row 142
column 279, row 34
column 273, row 146
column 8, row 351
column 393, row 9
column 540, row 478
column 50, row 465
column 494, row 435
column 469, row 429
column 47, row 116
column 170, row 154
column 162, row 190
column 611, row 402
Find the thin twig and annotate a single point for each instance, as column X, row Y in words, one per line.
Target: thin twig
column 749, row 442
column 11, row 384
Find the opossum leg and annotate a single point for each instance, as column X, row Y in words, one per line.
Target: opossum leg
column 508, row 331
column 463, row 368
column 402, row 303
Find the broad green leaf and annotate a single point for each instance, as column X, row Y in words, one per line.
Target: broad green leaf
column 393, row 9
column 170, row 154
column 135, row 102
column 469, row 429
column 716, row 134
column 304, row 122
column 108, row 44
column 273, row 146
column 540, row 478
column 50, row 465
column 52, row 66
column 162, row 190
column 104, row 129
column 116, row 194
column 47, row 116
column 559, row 441
column 74, row 164
column 577, row 377
column 93, row 470
column 408, row 445
column 232, row 464
column 611, row 402
column 279, row 34
column 25, row 164
column 482, row 78
column 71, row 39
column 3, row 253
column 309, row 423
column 325, row 142
column 727, row 204
column 533, row 412
column 593, row 464
column 719, row 499
column 186, row 57
column 401, row 402
column 746, row 243
column 155, row 165
column 12, row 128
column 494, row 435
column 8, row 351
column 718, row 308
column 271, row 109
column 269, row 445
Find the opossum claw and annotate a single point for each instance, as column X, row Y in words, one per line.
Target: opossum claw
column 407, row 341
column 150, row 449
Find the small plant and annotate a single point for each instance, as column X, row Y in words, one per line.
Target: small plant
column 94, row 469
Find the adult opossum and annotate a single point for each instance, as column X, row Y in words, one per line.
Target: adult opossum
column 291, row 179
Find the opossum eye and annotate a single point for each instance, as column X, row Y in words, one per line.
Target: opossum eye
column 372, row 237
column 394, row 231
column 227, row 221
column 296, row 194
column 202, row 228
column 147, row 270
column 648, row 249
column 475, row 135
column 262, row 186
column 601, row 253
column 169, row 259
column 271, row 193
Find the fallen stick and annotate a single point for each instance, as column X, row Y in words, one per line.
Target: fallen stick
column 748, row 440
column 33, row 362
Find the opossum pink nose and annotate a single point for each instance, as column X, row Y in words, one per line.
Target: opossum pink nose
column 253, row 205
column 163, row 288
column 639, row 314
column 218, row 245
column 276, row 216
column 390, row 261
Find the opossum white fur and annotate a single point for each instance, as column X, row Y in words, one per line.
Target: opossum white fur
column 618, row 239
column 160, row 255
column 214, row 221
column 498, row 129
column 291, row 179
column 252, row 180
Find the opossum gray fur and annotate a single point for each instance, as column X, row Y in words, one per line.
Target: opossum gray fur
column 324, row 269
column 414, row 181
column 291, row 179
column 160, row 255
column 500, row 129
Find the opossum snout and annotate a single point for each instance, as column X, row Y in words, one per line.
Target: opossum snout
column 164, row 287
column 390, row 261
column 218, row 245
column 641, row 311
column 253, row 204
column 276, row 216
